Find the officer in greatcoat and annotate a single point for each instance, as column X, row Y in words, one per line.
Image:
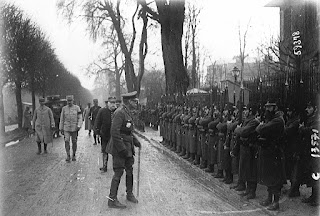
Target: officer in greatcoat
column 43, row 123
column 102, row 126
column 270, row 158
column 212, row 141
column 92, row 115
column 248, row 153
column 121, row 147
column 309, row 131
column 292, row 140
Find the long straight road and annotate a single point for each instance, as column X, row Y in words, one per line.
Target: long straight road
column 46, row 185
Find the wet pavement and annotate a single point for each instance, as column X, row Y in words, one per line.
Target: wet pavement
column 45, row 184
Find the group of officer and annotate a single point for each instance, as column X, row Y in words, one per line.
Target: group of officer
column 267, row 146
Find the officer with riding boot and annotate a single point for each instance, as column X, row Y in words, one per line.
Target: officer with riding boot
column 121, row 147
column 270, row 157
column 70, row 124
column 102, row 126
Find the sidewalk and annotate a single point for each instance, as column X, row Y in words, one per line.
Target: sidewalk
column 288, row 206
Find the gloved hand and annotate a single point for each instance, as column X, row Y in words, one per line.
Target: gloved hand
column 123, row 153
column 136, row 143
column 62, row 132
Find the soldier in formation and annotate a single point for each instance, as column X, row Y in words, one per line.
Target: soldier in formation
column 265, row 147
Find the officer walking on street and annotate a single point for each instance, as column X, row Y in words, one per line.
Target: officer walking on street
column 121, row 147
column 70, row 124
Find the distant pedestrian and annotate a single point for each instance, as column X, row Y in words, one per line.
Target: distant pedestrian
column 92, row 115
column 70, row 124
column 27, row 118
column 102, row 127
column 87, row 122
column 43, row 123
column 121, row 146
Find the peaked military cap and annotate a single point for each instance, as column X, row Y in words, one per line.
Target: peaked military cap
column 111, row 99
column 271, row 103
column 130, row 95
column 41, row 99
column 69, row 97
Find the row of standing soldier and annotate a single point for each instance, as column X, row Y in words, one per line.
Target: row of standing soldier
column 263, row 148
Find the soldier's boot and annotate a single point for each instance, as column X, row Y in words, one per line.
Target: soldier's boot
column 241, row 186
column 39, row 148
column 178, row 150
column 113, row 201
column 312, row 200
column 237, row 185
column 275, row 205
column 74, row 150
column 187, row 155
column 95, row 139
column 45, row 148
column 210, row 168
column 219, row 174
column 203, row 164
column 174, row 148
column 68, row 157
column 229, row 177
column 252, row 194
column 316, row 200
column 191, row 158
column 294, row 189
column 129, row 185
column 196, row 160
column 105, row 162
column 183, row 152
column 268, row 201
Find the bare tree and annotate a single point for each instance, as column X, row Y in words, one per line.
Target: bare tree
column 97, row 13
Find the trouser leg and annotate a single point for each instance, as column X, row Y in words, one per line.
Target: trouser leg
column 118, row 172
column 39, row 147
column 45, row 147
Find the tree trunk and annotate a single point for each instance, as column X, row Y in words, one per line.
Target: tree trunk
column 118, row 93
column 171, row 18
column 2, row 121
column 143, row 49
column 19, row 103
column 33, row 95
column 129, row 69
column 194, row 59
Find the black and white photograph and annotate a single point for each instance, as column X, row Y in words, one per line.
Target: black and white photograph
column 159, row 107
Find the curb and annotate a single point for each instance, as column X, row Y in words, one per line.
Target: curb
column 210, row 183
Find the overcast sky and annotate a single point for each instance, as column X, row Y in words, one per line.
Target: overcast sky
column 218, row 31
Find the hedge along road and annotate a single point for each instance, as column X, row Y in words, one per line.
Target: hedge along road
column 46, row 185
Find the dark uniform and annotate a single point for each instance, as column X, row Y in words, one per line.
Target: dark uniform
column 310, row 154
column 92, row 115
column 121, row 146
column 270, row 160
column 292, row 140
column 102, row 127
column 212, row 143
column 248, row 153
